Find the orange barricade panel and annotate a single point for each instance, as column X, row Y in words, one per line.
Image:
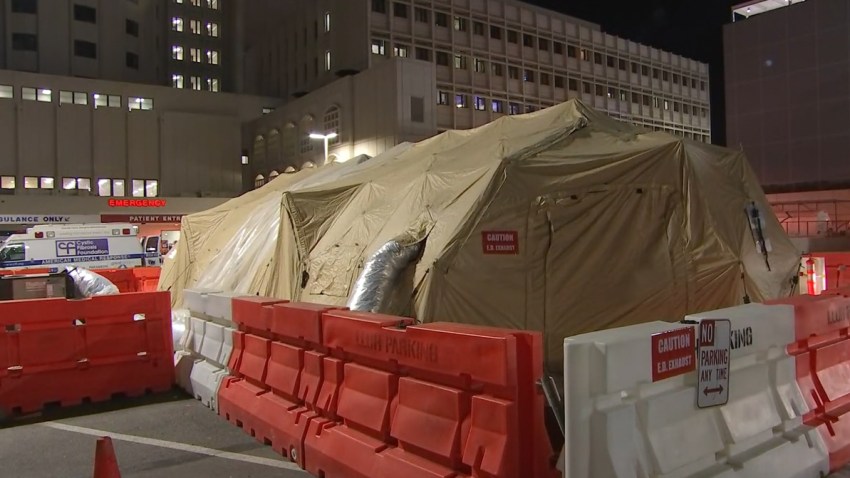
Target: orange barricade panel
column 254, row 314
column 67, row 351
column 284, row 370
column 490, row 438
column 311, row 378
column 299, row 321
column 332, row 374
column 255, row 358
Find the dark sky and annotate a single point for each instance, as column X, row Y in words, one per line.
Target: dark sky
column 691, row 28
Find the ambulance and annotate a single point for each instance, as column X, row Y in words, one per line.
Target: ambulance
column 89, row 246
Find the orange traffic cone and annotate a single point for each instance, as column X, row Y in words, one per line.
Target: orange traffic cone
column 105, row 463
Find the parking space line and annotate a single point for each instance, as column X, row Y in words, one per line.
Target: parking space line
column 200, row 450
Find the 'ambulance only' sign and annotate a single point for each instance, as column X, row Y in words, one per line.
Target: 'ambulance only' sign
column 713, row 360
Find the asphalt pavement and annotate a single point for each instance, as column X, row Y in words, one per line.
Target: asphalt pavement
column 162, row 436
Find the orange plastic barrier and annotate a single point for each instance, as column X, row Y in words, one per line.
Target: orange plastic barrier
column 822, row 351
column 366, row 395
column 137, row 279
column 66, row 351
column 18, row 272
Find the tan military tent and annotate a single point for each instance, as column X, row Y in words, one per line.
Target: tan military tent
column 563, row 221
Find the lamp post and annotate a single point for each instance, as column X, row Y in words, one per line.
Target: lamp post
column 326, row 138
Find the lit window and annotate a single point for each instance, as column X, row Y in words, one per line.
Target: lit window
column 327, row 22
column 73, row 98
column 267, row 110
column 45, row 182
column 514, row 108
column 44, row 95
column 379, row 47
column 328, row 60
column 81, row 184
column 196, row 3
column 7, row 182
column 195, row 54
column 498, row 106
column 480, row 66
column 401, row 51
column 666, row 105
column 212, row 57
column 177, row 81
column 331, row 121
column 177, row 52
column 461, row 101
column 443, row 98
column 195, row 82
column 195, row 26
column 177, row 24
column 244, row 159
column 213, row 84
column 111, row 101
column 460, row 62
column 110, row 187
column 480, row 103
column 30, row 182
column 178, row 1
column 7, row 91
column 213, row 4
column 140, row 103
column 212, row 29
column 259, row 181
column 460, row 24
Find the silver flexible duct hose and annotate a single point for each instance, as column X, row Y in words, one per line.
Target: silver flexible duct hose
column 373, row 289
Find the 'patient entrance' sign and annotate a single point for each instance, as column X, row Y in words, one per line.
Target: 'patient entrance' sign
column 713, row 360
column 672, row 353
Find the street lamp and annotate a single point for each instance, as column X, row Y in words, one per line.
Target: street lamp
column 324, row 137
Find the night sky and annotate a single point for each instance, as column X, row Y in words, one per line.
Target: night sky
column 691, row 28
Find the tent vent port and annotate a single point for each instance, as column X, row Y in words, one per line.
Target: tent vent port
column 373, row 289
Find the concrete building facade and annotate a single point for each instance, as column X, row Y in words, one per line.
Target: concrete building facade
column 490, row 57
column 788, row 92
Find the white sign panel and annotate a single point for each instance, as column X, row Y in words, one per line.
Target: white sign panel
column 713, row 362
column 33, row 219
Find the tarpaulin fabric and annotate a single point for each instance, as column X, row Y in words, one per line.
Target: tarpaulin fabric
column 563, row 221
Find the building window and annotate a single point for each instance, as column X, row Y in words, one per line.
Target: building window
column 85, row 49
column 586, row 87
column 460, row 24
column 498, row 106
column 36, row 94
column 30, row 182
column 401, row 51
column 140, row 103
column 212, row 4
column 623, row 95
column 558, row 48
column 597, row 58
column 196, row 3
column 480, row 103
column 495, row 32
column 7, row 91
column 514, row 108
column 328, row 60
column 585, row 55
column 676, row 78
column 24, row 42
column 399, row 10
column 461, row 101
column 655, row 73
column 572, row 84
column 665, row 75
column 644, row 70
column 332, row 124
column 110, row 187
column 528, row 76
column 676, row 107
column 559, row 81
column 212, row 29
column 132, row 60
column 213, row 85
column 702, row 85
column 212, row 57
column 306, row 129
column 666, row 105
column 480, row 66
column 86, row 14
column 78, row 184
column 442, row 97
column 610, row 61
column 46, row 182
column 543, row 44
column 259, row 181
column 177, row 81
column 7, row 182
column 478, row 28
column 145, row 188
column 513, row 36
column 634, row 68
column 177, row 24
column 460, row 62
column 572, row 51
column 442, row 58
column 195, row 82
column 498, row 69
column 195, row 54
column 527, row 40
column 177, row 52
column 612, row 92
column 379, row 47
column 195, row 27
column 421, row 15
column 327, row 22
column 544, row 79
column 131, row 27
column 423, row 54
column 441, row 19
column 73, row 98
column 24, row 6
column 600, row 91
column 110, row 101
column 513, row 72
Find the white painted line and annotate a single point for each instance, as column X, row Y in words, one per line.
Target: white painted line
column 200, row 450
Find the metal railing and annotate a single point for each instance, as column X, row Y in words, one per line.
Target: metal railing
column 798, row 228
